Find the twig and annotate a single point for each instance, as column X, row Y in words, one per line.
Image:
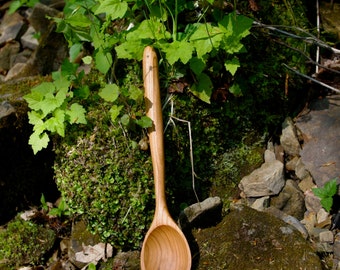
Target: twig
column 309, row 38
column 312, row 79
column 171, row 120
column 317, row 58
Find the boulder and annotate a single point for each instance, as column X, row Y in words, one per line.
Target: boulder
column 290, row 200
column 288, row 138
column 266, row 180
column 248, row 239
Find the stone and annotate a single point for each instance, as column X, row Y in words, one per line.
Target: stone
column 291, row 164
column 9, row 50
column 312, row 202
column 11, row 27
column 261, row 203
column 322, row 216
column 6, row 109
column 309, row 221
column 307, row 183
column 279, row 152
column 336, row 248
column 38, row 18
column 126, row 260
column 80, row 238
column 290, row 200
column 28, row 40
column 269, row 156
column 248, row 239
column 16, row 72
column 266, row 180
column 288, row 219
column 321, row 129
column 202, row 214
column 300, row 169
column 288, row 138
column 326, row 237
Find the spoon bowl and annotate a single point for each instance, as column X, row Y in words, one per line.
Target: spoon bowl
column 165, row 246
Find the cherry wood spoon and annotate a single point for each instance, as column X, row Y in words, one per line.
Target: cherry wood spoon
column 165, row 246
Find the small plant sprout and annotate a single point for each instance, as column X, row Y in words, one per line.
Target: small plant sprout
column 326, row 194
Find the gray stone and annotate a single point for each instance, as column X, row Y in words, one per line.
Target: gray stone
column 199, row 214
column 288, row 138
column 321, row 129
column 291, row 164
column 269, row 156
column 28, row 40
column 326, row 237
column 6, row 109
column 300, row 169
column 290, row 200
column 11, row 27
column 261, row 203
column 6, row 52
column 16, row 72
column 307, row 183
column 248, row 239
column 266, row 180
column 312, row 202
column 288, row 219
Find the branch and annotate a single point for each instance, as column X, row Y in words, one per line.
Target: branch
column 312, row 79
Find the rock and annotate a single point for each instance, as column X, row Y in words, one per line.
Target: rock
column 261, row 203
column 336, row 248
column 291, row 164
column 126, row 260
column 203, row 214
column 309, row 221
column 288, row 138
column 11, row 27
column 326, row 237
column 38, row 18
column 248, row 239
column 6, row 109
column 289, row 220
column 80, row 238
column 312, row 202
column 300, row 169
column 28, row 40
column 16, row 72
column 322, row 216
column 269, row 156
column 9, row 50
column 266, row 180
column 321, row 129
column 290, row 200
column 307, row 183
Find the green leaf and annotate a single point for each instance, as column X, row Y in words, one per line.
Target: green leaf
column 76, row 114
column 144, row 122
column 203, row 88
column 87, row 59
column 197, row 65
column 114, row 112
column 232, row 65
column 132, row 49
column 38, row 141
column 178, row 50
column 82, row 92
column 37, row 95
column 110, row 92
column 205, row 38
column 56, row 122
column 78, row 20
column 235, row 27
column 330, row 188
column 75, row 50
column 327, row 203
column 125, row 119
column 113, row 8
column 103, row 60
column 235, row 89
column 149, row 29
column 135, row 93
column 320, row 192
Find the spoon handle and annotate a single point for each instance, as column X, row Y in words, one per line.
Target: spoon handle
column 154, row 111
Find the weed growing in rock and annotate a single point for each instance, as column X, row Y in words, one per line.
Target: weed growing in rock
column 326, row 194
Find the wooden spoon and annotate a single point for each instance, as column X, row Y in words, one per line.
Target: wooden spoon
column 165, row 246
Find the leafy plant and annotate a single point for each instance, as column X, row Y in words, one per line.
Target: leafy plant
column 61, row 210
column 16, row 4
column 326, row 194
column 53, row 104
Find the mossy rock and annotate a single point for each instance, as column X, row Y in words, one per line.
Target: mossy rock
column 24, row 243
column 248, row 239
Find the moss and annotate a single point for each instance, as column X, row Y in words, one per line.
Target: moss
column 23, row 242
column 247, row 239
